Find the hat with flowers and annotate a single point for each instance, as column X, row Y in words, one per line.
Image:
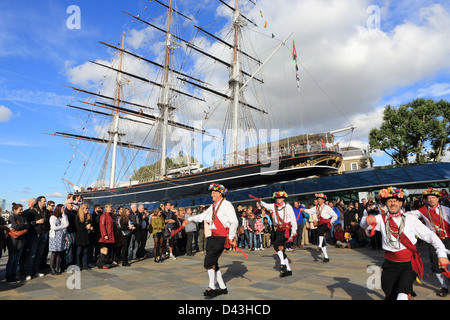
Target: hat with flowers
column 431, row 192
column 391, row 192
column 321, row 195
column 219, row 188
column 280, row 194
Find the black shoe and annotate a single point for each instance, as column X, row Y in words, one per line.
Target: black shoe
column 126, row 264
column 442, row 293
column 52, row 271
column 210, row 293
column 221, row 291
column 326, row 260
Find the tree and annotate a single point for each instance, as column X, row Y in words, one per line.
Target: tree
column 145, row 173
column 419, row 129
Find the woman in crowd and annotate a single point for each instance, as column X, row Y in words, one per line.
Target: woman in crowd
column 126, row 228
column 158, row 224
column 57, row 238
column 107, row 229
column 15, row 245
column 83, row 222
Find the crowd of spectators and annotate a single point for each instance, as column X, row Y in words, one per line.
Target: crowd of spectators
column 106, row 237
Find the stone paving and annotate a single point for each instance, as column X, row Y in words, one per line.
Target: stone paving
column 345, row 277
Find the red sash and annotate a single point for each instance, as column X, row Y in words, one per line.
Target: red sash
column 408, row 254
column 220, row 230
column 282, row 226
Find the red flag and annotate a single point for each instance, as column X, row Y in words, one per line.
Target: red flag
column 294, row 53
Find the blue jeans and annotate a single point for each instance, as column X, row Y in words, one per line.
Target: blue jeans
column 252, row 238
column 82, row 256
column 15, row 247
column 243, row 239
column 134, row 246
column 36, row 247
column 259, row 240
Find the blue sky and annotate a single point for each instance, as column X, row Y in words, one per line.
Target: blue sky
column 38, row 51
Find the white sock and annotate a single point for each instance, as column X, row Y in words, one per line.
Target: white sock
column 441, row 280
column 220, row 280
column 212, row 283
column 324, row 250
column 286, row 262
column 280, row 255
column 320, row 241
column 402, row 296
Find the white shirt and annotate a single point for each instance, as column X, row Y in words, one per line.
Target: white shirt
column 413, row 227
column 327, row 213
column 54, row 227
column 226, row 215
column 287, row 215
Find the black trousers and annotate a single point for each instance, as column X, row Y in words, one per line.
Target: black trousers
column 213, row 252
column 397, row 277
column 189, row 238
column 433, row 256
column 280, row 240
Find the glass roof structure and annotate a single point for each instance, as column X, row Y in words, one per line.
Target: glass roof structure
column 345, row 185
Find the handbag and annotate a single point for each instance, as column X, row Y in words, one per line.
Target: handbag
column 166, row 233
column 126, row 233
column 16, row 234
column 240, row 230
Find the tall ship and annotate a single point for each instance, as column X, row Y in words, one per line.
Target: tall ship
column 181, row 106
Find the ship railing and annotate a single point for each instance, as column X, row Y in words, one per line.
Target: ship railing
column 262, row 157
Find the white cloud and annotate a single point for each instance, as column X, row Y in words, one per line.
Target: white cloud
column 5, row 114
column 54, row 195
column 347, row 70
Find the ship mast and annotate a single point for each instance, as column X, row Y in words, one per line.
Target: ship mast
column 235, row 84
column 164, row 105
column 115, row 132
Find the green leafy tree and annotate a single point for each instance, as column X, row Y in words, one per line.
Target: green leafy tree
column 147, row 172
column 419, row 129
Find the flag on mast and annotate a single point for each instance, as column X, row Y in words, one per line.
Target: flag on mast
column 294, row 57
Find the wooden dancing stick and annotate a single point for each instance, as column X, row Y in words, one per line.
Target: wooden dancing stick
column 253, row 197
column 446, row 272
column 174, row 232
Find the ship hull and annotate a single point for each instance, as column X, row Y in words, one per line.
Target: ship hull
column 196, row 185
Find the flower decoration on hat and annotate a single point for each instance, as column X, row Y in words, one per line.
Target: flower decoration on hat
column 391, row 192
column 219, row 188
column 321, row 195
column 280, row 194
column 431, row 192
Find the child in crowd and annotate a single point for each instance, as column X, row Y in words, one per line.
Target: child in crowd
column 339, row 237
column 259, row 233
column 105, row 262
column 267, row 233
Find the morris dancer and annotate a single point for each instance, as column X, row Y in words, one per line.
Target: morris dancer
column 284, row 219
column 402, row 262
column 437, row 219
column 223, row 224
column 326, row 217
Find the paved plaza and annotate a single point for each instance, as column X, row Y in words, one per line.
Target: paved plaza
column 351, row 274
